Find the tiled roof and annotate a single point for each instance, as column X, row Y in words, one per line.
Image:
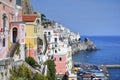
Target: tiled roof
column 29, row 17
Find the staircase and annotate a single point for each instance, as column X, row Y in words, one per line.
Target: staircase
column 12, row 50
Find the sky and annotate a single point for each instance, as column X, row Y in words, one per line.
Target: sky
column 87, row 17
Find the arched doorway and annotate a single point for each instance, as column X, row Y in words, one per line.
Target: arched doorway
column 15, row 35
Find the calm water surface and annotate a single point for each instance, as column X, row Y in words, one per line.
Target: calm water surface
column 108, row 53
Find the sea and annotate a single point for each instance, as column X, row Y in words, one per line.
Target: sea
column 108, row 53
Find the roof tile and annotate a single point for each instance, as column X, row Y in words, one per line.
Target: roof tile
column 29, row 17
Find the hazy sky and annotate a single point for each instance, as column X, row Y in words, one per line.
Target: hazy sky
column 88, row 17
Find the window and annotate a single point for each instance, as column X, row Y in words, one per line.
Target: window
column 10, row 0
column 60, row 58
column 45, row 32
column 3, row 7
column 49, row 51
column 3, row 42
column 55, row 45
column 45, row 26
column 48, row 39
column 55, row 39
column 4, row 21
column 55, row 51
column 48, row 33
column 38, row 22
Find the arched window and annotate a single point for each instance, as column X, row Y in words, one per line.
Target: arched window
column 15, row 32
column 4, row 17
column 4, row 21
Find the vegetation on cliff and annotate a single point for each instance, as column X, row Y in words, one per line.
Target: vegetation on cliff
column 31, row 62
column 51, row 70
column 24, row 73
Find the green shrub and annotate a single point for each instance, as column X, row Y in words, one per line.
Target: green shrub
column 51, row 70
column 31, row 62
column 24, row 73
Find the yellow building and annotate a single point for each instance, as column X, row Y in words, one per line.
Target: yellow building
column 31, row 22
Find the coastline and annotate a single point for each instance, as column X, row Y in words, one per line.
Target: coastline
column 85, row 45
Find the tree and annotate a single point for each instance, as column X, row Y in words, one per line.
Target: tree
column 31, row 62
column 51, row 70
column 21, row 73
column 43, row 17
column 39, row 77
column 39, row 41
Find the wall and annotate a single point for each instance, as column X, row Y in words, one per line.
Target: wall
column 60, row 65
column 31, row 40
column 7, row 8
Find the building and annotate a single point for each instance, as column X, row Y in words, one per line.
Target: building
column 58, row 48
column 63, row 59
column 31, row 22
column 17, row 40
column 10, row 12
column 52, row 40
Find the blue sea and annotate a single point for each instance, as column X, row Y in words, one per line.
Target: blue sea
column 108, row 53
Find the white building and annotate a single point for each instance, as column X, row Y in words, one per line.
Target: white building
column 58, row 38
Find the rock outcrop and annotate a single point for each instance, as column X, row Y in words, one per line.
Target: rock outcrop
column 85, row 45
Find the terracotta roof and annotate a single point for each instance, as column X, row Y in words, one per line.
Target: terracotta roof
column 29, row 17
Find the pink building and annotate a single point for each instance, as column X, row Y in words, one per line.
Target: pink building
column 60, row 62
column 17, row 35
column 10, row 12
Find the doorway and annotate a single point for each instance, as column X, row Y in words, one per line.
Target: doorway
column 15, row 35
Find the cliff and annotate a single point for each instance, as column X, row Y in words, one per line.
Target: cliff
column 85, row 45
column 26, row 6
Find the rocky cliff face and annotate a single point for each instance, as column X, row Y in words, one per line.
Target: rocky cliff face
column 86, row 45
column 26, row 6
